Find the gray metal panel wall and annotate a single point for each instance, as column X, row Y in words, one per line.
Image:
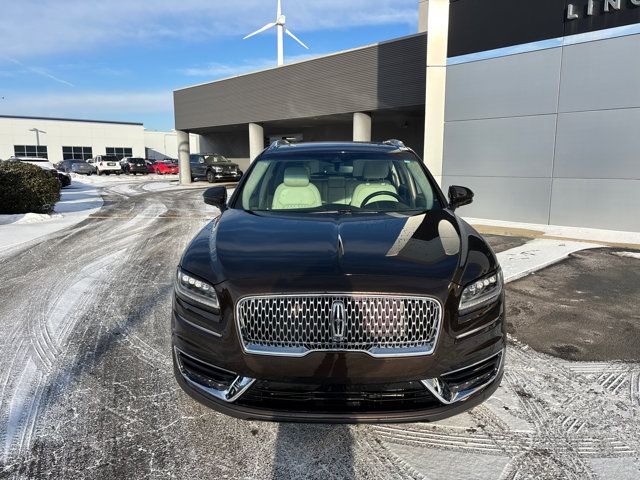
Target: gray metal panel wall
column 601, row 75
column 385, row 76
column 503, row 92
column 591, row 176
column 501, row 147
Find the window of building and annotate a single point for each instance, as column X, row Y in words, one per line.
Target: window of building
column 30, row 151
column 119, row 152
column 81, row 153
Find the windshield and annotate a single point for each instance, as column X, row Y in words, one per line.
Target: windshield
column 137, row 161
column 346, row 182
column 109, row 159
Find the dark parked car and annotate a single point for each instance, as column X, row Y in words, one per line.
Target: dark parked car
column 76, row 166
column 213, row 167
column 339, row 285
column 133, row 165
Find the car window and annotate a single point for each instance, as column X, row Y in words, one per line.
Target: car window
column 342, row 181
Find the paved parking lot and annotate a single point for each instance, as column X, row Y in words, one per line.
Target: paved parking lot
column 88, row 389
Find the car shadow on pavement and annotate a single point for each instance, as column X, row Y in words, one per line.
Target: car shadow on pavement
column 313, row 451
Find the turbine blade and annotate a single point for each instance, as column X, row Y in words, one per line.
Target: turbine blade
column 288, row 32
column 260, row 30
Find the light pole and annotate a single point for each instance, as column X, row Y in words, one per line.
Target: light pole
column 38, row 132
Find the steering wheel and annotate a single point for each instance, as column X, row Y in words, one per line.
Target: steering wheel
column 378, row 194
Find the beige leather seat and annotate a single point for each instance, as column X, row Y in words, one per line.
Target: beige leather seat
column 296, row 191
column 375, row 173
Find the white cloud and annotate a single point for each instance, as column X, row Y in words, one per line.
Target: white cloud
column 38, row 71
column 98, row 104
column 56, row 26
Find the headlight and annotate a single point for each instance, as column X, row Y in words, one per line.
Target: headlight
column 196, row 289
column 481, row 292
column 218, row 169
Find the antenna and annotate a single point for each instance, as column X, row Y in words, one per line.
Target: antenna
column 280, row 24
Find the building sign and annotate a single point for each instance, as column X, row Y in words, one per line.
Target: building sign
column 482, row 25
column 595, row 7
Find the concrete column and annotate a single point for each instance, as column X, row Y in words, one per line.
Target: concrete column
column 437, row 44
column 423, row 14
column 184, row 150
column 361, row 127
column 256, row 140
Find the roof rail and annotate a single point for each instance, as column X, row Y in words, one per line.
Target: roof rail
column 395, row 143
column 279, row 143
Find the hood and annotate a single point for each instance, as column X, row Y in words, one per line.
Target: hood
column 241, row 245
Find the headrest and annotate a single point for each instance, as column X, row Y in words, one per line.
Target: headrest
column 376, row 170
column 296, row 177
column 337, row 182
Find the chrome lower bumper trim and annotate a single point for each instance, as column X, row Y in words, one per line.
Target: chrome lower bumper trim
column 443, row 392
column 229, row 395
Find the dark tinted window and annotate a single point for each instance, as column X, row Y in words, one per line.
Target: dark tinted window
column 83, row 153
column 30, row 151
column 119, row 152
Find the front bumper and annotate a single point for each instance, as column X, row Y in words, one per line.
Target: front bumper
column 250, row 399
column 228, row 176
column 337, row 386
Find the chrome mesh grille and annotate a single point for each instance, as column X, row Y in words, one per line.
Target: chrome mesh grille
column 381, row 325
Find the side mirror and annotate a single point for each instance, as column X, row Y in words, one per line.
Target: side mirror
column 216, row 196
column 459, row 196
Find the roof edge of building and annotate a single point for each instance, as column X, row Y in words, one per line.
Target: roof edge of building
column 340, row 52
column 59, row 119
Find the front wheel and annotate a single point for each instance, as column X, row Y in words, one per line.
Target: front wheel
column 157, row 171
column 210, row 177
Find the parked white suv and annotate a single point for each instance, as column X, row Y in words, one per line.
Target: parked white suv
column 106, row 164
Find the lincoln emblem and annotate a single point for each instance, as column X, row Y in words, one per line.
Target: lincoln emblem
column 338, row 320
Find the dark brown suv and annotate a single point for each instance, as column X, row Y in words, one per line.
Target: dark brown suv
column 338, row 285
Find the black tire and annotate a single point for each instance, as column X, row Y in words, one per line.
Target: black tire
column 210, row 177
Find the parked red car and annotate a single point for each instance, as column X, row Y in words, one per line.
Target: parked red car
column 162, row 167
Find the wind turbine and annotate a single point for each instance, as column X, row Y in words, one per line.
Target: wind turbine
column 282, row 29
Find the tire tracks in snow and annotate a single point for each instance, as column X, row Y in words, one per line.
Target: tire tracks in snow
column 48, row 318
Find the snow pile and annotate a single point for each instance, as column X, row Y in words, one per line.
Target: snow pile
column 28, row 218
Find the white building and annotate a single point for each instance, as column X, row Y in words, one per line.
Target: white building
column 61, row 138
column 160, row 144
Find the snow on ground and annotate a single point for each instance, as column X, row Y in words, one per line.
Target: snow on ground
column 77, row 202
column 26, row 218
column 87, row 388
column 536, row 254
column 574, row 233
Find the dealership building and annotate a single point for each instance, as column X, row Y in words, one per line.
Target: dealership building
column 63, row 138
column 535, row 105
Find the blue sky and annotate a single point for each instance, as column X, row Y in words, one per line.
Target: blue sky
column 121, row 60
